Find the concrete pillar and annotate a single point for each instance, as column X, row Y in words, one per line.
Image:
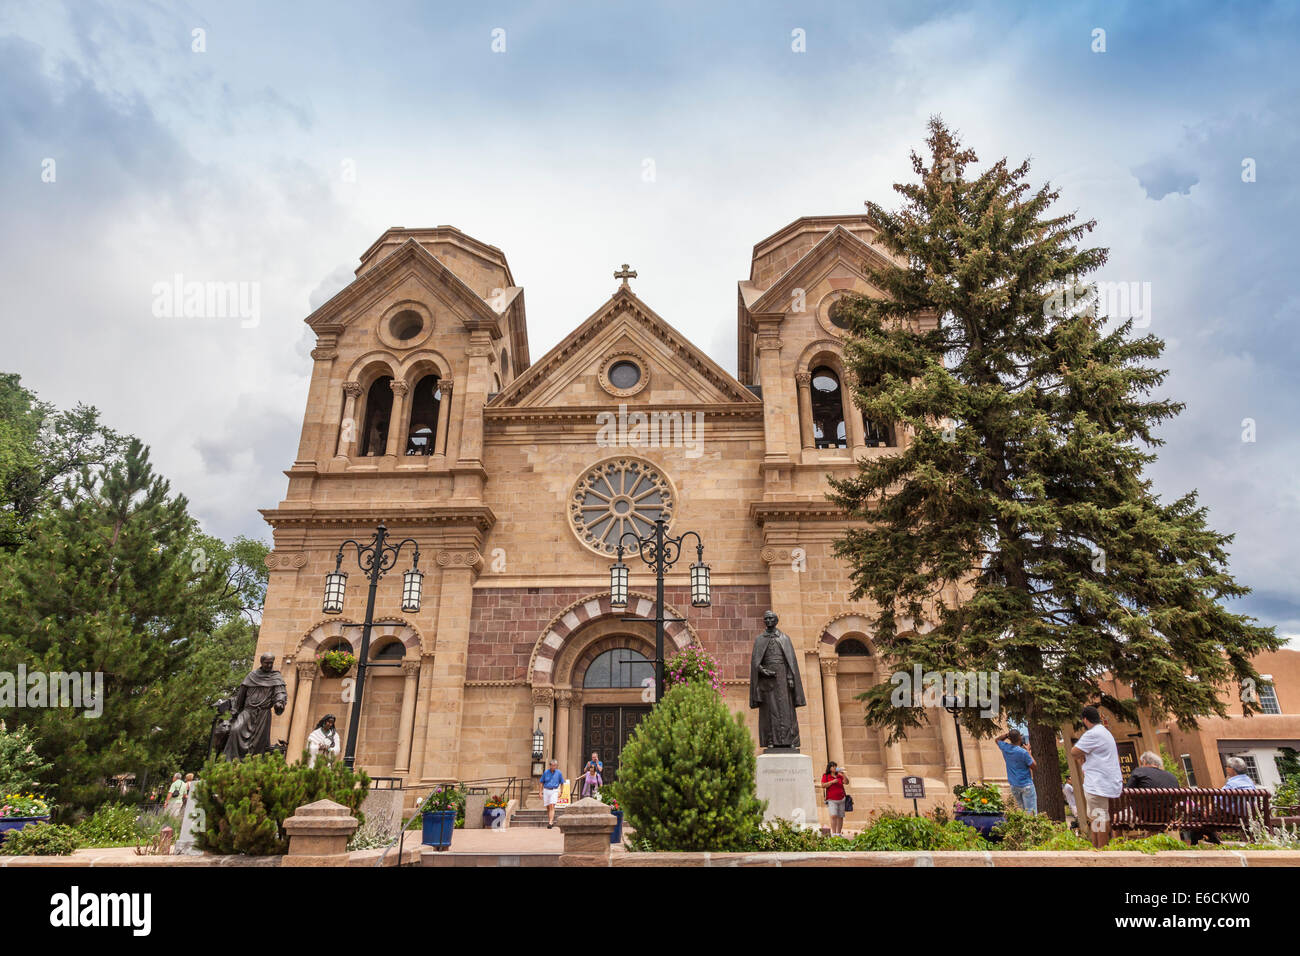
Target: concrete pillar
column 831, row 705
column 804, row 380
column 349, row 427
column 397, row 423
column 586, row 825
column 322, row 828
column 444, row 416
column 405, row 728
column 301, row 709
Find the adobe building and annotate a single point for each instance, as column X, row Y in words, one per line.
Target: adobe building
column 516, row 477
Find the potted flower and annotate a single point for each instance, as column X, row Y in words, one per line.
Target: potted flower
column 438, row 815
column 336, row 663
column 494, row 808
column 980, row 806
column 606, row 796
column 19, row 809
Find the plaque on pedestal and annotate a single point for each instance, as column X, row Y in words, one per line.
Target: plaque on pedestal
column 785, row 781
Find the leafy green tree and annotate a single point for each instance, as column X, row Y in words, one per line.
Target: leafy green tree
column 686, row 777
column 1022, row 484
column 109, row 582
column 41, row 450
column 21, row 766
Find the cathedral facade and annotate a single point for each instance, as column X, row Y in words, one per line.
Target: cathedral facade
column 516, row 479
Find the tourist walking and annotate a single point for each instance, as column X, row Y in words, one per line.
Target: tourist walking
column 591, row 781
column 1240, row 780
column 1018, row 761
column 175, row 797
column 833, row 782
column 1102, row 778
column 550, row 784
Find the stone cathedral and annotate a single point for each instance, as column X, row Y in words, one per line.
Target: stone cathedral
column 516, row 477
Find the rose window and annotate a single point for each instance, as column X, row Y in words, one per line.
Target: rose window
column 616, row 497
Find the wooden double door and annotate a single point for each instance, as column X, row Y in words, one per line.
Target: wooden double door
column 605, row 730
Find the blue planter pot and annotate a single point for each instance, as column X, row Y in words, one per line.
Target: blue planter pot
column 438, row 828
column 616, row 835
column 984, row 822
column 17, row 823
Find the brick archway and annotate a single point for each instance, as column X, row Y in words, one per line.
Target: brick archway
column 559, row 633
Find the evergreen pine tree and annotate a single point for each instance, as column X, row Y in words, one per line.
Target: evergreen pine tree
column 1021, row 489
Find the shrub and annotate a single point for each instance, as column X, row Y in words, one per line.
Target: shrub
column 1151, row 844
column 686, row 776
column 1025, row 831
column 692, row 664
column 113, row 824
column 1173, row 766
column 980, row 798
column 782, row 836
column 41, row 839
column 1065, row 839
column 896, row 831
column 21, row 766
column 246, row 802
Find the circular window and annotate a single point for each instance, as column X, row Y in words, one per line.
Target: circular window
column 838, row 314
column 616, row 497
column 624, row 374
column 405, row 325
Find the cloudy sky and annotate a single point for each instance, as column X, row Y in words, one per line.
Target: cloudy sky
column 275, row 145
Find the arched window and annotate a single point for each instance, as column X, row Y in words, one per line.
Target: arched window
column 852, row 647
column 828, row 410
column 876, row 433
column 392, row 651
column 621, row 667
column 505, row 363
column 379, row 411
column 426, row 403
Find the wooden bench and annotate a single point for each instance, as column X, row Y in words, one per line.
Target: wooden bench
column 1192, row 809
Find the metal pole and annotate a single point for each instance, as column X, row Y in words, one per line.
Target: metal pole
column 961, row 751
column 659, row 608
column 354, row 723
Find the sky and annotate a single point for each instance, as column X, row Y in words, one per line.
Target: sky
column 270, row 144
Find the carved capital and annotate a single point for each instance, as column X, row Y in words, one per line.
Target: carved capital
column 769, row 342
column 307, row 670
column 478, row 351
column 445, row 384
column 285, row 560
column 411, row 668
column 398, row 387
column 830, row 665
column 324, row 354
column 543, row 695
column 352, row 389
column 564, row 697
column 803, row 378
column 459, row 559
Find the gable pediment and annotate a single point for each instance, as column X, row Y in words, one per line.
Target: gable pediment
column 675, row 371
column 838, row 251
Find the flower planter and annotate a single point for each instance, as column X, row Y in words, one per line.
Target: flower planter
column 333, row 672
column 616, row 835
column 984, row 822
column 17, row 823
column 438, row 828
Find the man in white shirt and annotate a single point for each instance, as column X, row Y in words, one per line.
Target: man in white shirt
column 1102, row 778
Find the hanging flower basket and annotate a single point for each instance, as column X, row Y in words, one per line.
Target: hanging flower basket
column 336, row 663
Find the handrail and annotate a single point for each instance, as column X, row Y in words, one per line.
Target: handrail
column 511, row 785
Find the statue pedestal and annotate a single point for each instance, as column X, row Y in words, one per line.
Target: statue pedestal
column 785, row 781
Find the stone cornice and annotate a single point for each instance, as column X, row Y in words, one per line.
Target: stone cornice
column 479, row 516
column 588, row 413
column 765, row 511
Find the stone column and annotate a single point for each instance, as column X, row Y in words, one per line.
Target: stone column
column 447, row 683
column 402, row 762
column 479, row 353
column 543, row 712
column 349, row 427
column 894, row 769
column 563, row 704
column 804, row 379
column 831, row 704
column 301, row 709
column 951, row 756
column 421, row 708
column 398, row 426
column 776, row 389
column 444, row 416
column 855, row 432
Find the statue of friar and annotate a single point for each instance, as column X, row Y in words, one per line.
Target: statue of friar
column 775, row 688
column 261, row 692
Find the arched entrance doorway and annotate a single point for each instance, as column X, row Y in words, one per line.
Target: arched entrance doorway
column 613, row 704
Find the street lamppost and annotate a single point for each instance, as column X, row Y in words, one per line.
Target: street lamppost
column 952, row 704
column 375, row 559
column 661, row 553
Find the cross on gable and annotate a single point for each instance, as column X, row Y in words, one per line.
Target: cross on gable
column 624, row 274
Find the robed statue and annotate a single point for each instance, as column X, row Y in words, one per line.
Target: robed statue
column 323, row 740
column 261, row 692
column 775, row 688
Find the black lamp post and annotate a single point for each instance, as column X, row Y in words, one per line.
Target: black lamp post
column 375, row 559
column 661, row 553
column 952, row 704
